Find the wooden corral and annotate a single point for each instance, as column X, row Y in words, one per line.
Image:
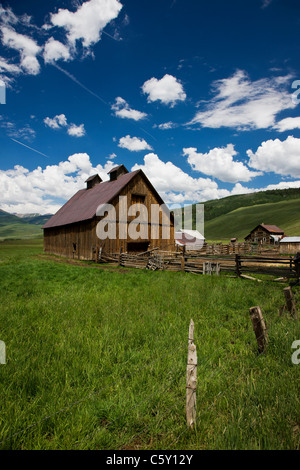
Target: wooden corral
column 72, row 231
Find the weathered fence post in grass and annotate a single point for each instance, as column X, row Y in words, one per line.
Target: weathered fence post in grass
column 259, row 328
column 183, row 259
column 290, row 302
column 238, row 265
column 191, row 379
column 119, row 256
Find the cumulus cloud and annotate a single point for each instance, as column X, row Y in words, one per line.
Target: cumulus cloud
column 176, row 186
column 60, row 121
column 44, row 190
column 76, row 131
column 54, row 50
column 168, row 90
column 123, row 110
column 281, row 157
column 219, row 163
column 57, row 122
column 241, row 103
column 87, row 22
column 134, row 144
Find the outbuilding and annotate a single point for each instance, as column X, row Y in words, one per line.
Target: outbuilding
column 290, row 245
column 265, row 234
column 189, row 239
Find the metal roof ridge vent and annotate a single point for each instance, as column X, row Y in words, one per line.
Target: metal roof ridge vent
column 116, row 172
column 92, row 181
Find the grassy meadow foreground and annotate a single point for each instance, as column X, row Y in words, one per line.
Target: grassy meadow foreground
column 96, row 358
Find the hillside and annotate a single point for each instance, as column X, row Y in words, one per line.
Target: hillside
column 240, row 222
column 218, row 207
column 236, row 216
column 15, row 227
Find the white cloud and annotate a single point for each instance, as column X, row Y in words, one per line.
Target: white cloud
column 243, row 104
column 176, row 186
column 281, row 157
column 134, row 144
column 55, row 50
column 88, row 21
column 60, row 121
column 288, row 124
column 57, row 122
column 23, row 133
column 7, row 16
column 43, row 189
column 219, row 163
column 123, row 110
column 5, row 66
column 166, row 125
column 168, row 90
column 76, row 131
column 27, row 47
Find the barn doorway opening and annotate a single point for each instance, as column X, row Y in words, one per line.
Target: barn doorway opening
column 137, row 247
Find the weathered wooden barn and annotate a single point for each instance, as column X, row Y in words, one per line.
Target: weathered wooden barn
column 72, row 232
column 265, row 234
column 290, row 245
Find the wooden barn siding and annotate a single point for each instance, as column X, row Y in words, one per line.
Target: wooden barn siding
column 290, row 248
column 259, row 234
column 59, row 240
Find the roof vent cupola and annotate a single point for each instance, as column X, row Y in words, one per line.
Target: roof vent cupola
column 116, row 172
column 92, row 181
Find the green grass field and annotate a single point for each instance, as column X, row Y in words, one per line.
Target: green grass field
column 96, row 358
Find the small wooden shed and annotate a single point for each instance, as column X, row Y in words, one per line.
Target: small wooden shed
column 290, row 245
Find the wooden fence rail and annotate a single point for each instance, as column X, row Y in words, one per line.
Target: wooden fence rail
column 274, row 265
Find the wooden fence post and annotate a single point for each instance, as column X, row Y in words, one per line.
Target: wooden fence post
column 238, row 265
column 290, row 302
column 191, row 379
column 259, row 328
column 183, row 259
column 119, row 256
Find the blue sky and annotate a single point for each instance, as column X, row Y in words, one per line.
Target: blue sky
column 203, row 96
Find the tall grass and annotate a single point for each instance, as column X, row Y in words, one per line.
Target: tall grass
column 96, row 359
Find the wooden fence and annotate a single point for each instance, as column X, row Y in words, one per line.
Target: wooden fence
column 274, row 265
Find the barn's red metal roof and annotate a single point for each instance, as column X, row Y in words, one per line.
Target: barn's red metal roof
column 83, row 205
column 272, row 228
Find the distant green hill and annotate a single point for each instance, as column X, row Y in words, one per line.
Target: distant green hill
column 37, row 219
column 236, row 216
column 222, row 206
column 240, row 222
column 15, row 227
